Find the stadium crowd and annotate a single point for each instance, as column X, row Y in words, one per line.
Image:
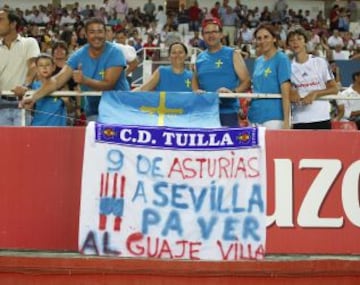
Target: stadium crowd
column 329, row 36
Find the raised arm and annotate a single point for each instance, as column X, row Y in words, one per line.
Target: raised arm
column 31, row 70
column 151, row 83
column 47, row 88
column 132, row 65
column 242, row 72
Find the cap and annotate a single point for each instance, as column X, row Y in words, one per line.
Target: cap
column 208, row 21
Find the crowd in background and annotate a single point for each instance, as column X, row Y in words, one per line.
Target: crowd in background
column 149, row 25
column 329, row 36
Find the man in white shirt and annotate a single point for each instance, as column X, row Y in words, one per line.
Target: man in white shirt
column 66, row 19
column 281, row 7
column 129, row 54
column 335, row 39
column 17, row 64
column 38, row 18
column 230, row 20
column 339, row 54
column 106, row 5
column 121, row 8
column 246, row 35
column 28, row 16
column 350, row 109
column 314, row 41
column 160, row 18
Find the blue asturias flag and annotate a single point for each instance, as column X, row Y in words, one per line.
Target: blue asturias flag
column 171, row 109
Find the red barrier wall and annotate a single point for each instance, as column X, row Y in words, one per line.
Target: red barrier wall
column 41, row 180
column 40, row 187
column 59, row 270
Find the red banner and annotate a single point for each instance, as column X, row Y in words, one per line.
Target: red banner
column 313, row 190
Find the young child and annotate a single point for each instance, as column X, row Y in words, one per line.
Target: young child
column 50, row 110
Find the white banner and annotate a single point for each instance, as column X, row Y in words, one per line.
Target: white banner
column 173, row 193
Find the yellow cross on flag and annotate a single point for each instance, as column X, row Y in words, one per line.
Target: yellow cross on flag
column 161, row 110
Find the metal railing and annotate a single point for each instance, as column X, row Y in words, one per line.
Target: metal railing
column 221, row 95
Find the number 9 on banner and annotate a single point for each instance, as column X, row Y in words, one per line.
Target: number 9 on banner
column 115, row 160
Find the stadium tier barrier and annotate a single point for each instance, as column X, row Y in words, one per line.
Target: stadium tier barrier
column 248, row 95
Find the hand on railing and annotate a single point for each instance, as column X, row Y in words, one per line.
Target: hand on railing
column 27, row 102
column 309, row 98
column 295, row 97
column 20, row 91
column 224, row 90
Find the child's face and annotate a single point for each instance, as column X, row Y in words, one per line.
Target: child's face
column 45, row 67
